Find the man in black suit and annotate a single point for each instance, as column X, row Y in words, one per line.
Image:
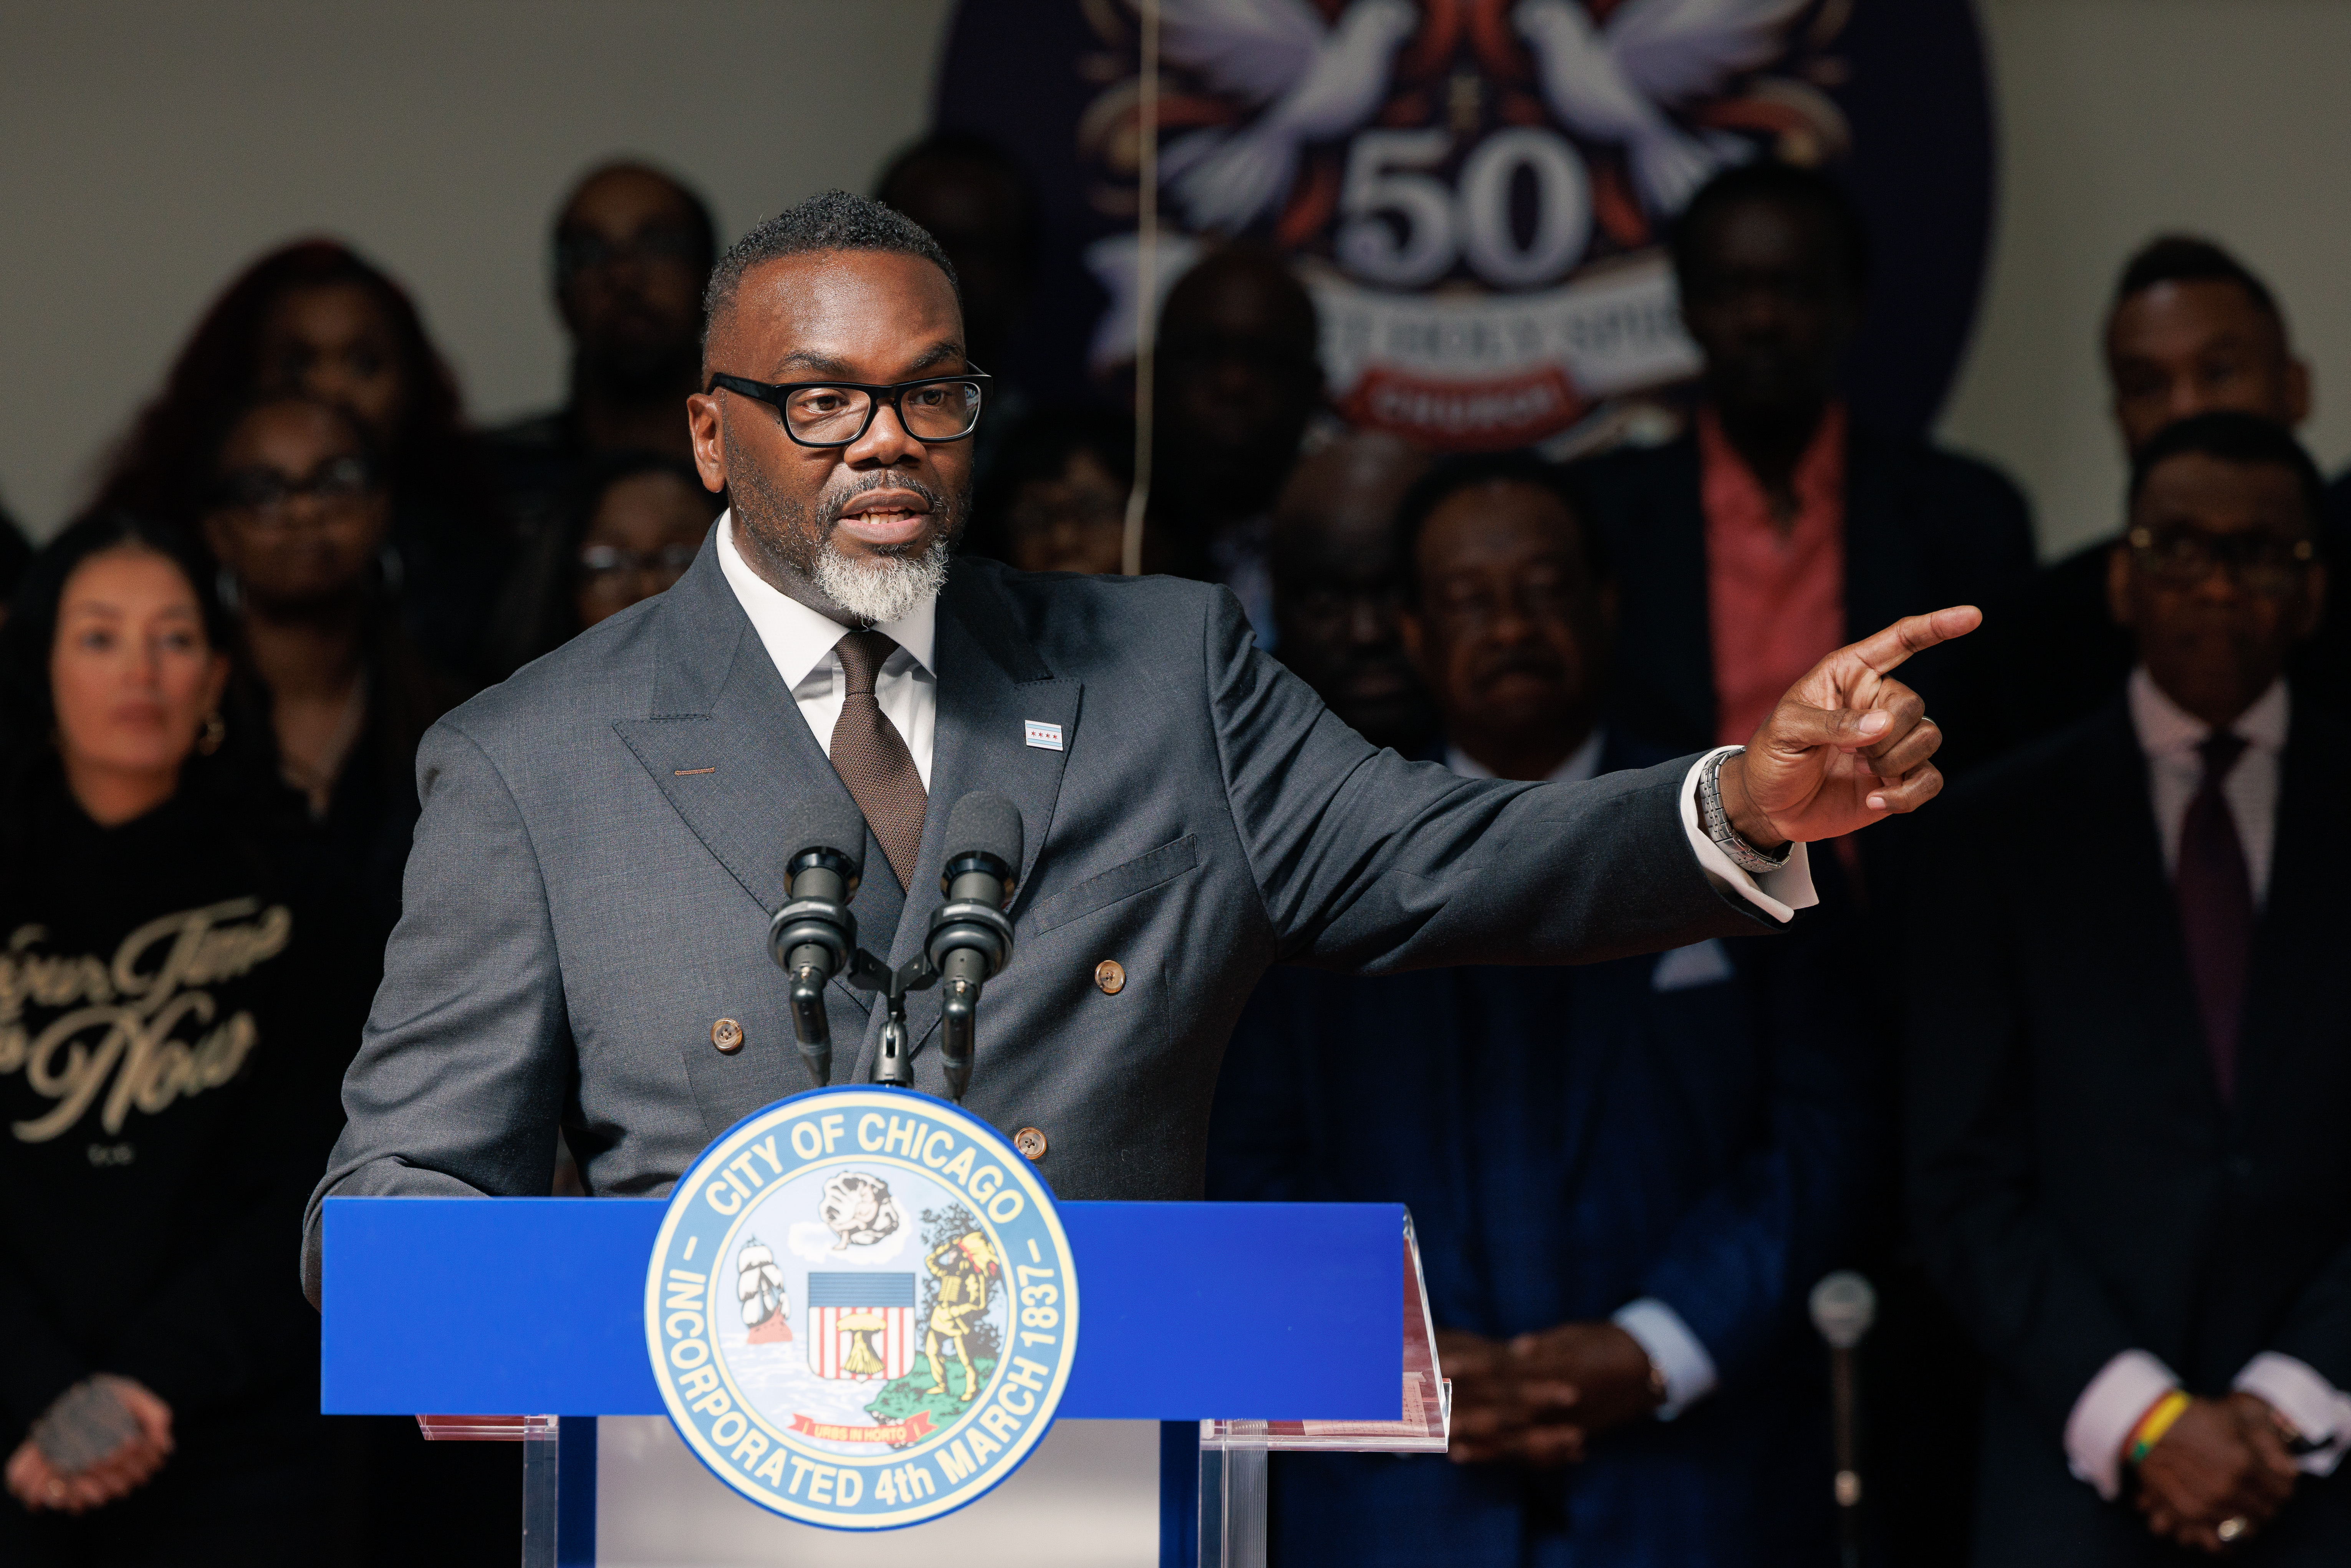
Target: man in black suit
column 2130, row 1067
column 2191, row 330
column 1780, row 521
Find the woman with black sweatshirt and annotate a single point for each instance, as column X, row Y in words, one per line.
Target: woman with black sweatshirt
column 159, row 1108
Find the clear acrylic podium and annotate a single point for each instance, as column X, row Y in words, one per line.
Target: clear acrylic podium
column 441, row 1304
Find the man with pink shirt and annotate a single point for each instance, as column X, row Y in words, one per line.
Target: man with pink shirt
column 1747, row 548
column 1783, row 522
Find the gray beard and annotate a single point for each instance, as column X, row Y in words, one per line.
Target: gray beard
column 881, row 590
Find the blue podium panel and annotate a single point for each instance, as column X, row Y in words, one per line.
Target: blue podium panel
column 1190, row 1311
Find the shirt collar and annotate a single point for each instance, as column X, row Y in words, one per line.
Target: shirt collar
column 799, row 639
column 1582, row 763
column 2167, row 729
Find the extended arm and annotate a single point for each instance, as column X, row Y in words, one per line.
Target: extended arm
column 1367, row 862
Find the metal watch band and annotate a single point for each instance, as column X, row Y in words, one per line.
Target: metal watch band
column 1743, row 855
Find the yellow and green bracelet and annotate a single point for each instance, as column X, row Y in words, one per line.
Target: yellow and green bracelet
column 2159, row 1418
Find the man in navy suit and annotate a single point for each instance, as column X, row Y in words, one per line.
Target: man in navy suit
column 2131, row 1063
column 1624, row 1176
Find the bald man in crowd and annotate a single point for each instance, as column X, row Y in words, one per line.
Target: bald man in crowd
column 1239, row 381
column 1338, row 587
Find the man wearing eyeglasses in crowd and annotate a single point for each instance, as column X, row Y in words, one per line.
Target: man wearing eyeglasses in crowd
column 602, row 841
column 2131, row 1066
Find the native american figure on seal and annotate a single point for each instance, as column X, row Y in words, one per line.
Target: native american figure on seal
column 966, row 1267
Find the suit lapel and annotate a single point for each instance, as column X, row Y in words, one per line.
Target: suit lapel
column 2300, row 935
column 2130, row 923
column 992, row 685
column 725, row 742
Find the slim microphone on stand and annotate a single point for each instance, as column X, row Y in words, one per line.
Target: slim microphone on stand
column 813, row 936
column 970, row 939
column 1843, row 1306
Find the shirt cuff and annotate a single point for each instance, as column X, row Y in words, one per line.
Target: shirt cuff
column 1671, row 1350
column 2104, row 1416
column 2319, row 1411
column 1779, row 893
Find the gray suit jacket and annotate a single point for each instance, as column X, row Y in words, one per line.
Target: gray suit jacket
column 599, row 856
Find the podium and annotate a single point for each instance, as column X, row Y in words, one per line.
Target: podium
column 1214, row 1334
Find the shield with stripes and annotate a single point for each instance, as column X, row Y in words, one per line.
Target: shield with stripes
column 861, row 1325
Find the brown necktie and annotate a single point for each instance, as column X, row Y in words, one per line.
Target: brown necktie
column 871, row 757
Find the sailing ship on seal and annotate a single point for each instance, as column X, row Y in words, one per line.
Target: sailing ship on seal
column 760, row 1288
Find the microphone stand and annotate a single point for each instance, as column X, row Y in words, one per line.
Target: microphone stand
column 951, row 933
column 893, row 1066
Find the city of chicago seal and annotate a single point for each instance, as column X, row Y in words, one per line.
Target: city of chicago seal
column 935, row 1304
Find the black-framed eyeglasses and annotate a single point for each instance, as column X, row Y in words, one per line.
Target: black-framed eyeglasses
column 265, row 494
column 838, row 414
column 2262, row 562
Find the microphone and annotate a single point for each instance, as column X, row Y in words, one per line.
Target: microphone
column 970, row 940
column 813, row 936
column 1843, row 1306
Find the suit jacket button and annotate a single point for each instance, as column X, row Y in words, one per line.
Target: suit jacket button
column 1109, row 977
column 727, row 1036
column 1031, row 1142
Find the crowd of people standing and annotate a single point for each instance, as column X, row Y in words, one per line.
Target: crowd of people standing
column 2083, row 1143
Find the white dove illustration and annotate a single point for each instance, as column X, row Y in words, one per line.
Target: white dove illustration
column 1318, row 81
column 1613, row 83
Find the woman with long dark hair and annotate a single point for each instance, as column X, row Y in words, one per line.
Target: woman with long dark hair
column 158, row 1094
column 316, row 317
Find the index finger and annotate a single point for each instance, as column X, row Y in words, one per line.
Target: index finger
column 1915, row 635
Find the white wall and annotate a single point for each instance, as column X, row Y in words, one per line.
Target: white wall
column 2119, row 119
column 149, row 148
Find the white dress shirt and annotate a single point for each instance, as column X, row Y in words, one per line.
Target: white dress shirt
column 2126, row 1387
column 2169, row 735
column 801, row 644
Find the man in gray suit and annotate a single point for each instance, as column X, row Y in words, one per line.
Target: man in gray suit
column 583, row 943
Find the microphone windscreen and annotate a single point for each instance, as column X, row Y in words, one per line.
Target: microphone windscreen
column 827, row 822
column 1843, row 1306
column 985, row 823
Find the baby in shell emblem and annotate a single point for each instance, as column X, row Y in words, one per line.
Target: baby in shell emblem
column 861, row 1307
column 858, row 1209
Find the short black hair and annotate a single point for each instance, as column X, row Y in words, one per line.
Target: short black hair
column 2190, row 258
column 1467, row 471
column 831, row 219
column 1774, row 183
column 2235, row 438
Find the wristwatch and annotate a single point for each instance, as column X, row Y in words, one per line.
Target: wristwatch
column 1743, row 855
